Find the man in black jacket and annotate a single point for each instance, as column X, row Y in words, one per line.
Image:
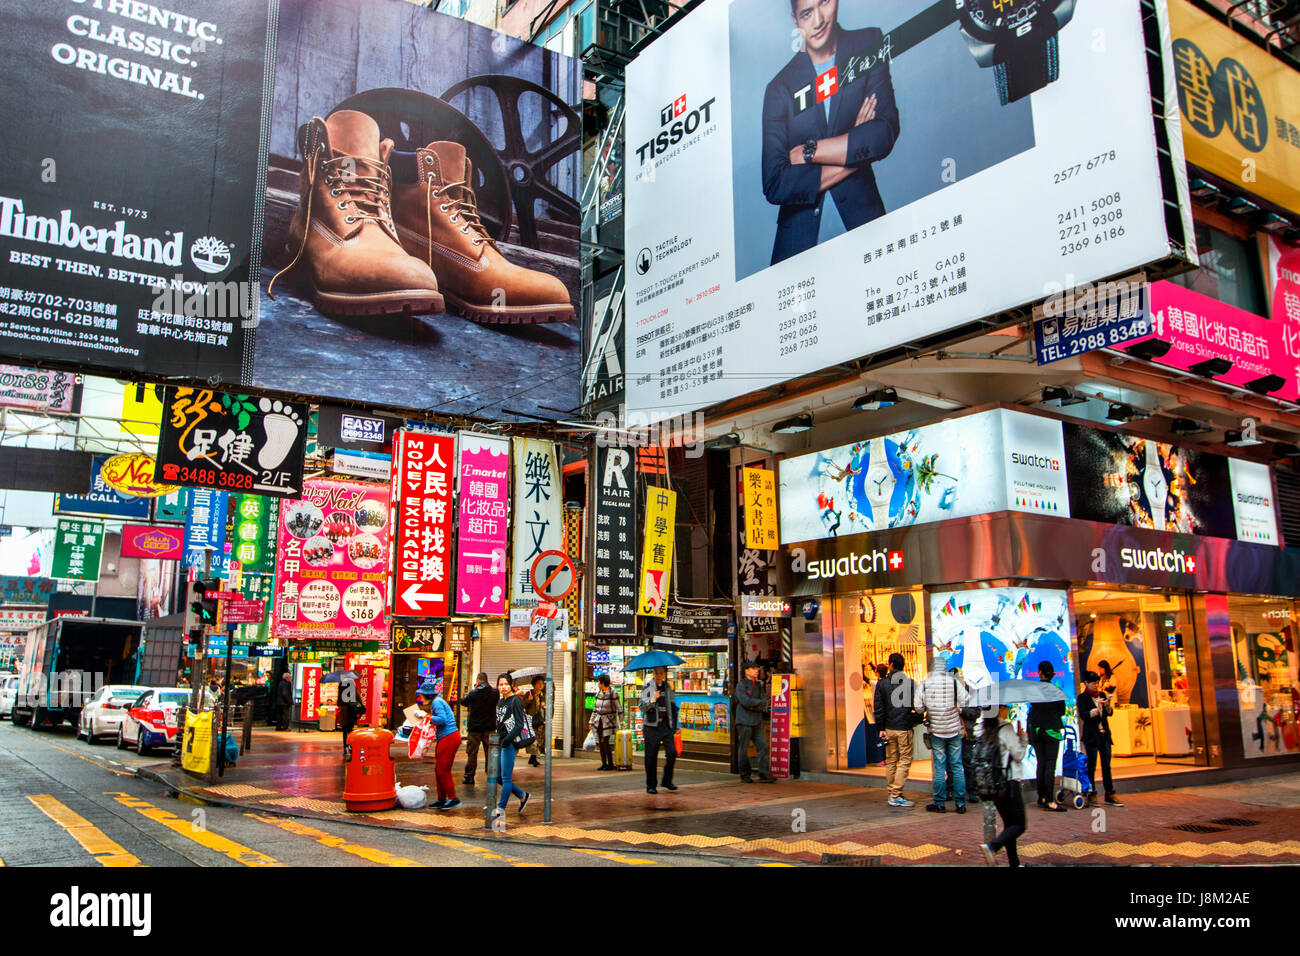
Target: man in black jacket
column 893, row 705
column 1045, row 734
column 751, row 700
column 481, row 724
column 284, row 698
column 1094, row 715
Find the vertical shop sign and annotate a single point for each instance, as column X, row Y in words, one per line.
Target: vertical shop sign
column 36, row 388
column 78, row 545
column 759, row 486
column 615, row 554
column 538, row 514
column 205, row 525
column 481, row 527
column 172, row 508
column 256, row 530
column 332, row 563
column 657, row 558
column 754, row 569
column 423, row 484
column 781, row 698
column 307, row 710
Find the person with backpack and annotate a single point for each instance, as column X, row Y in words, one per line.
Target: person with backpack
column 895, row 718
column 1045, row 733
column 998, row 753
column 941, row 698
column 514, row 731
column 969, row 718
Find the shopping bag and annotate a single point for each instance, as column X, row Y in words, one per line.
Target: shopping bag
column 421, row 738
column 677, row 743
column 590, row 743
column 413, row 798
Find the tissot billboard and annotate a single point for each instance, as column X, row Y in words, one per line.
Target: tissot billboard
column 868, row 188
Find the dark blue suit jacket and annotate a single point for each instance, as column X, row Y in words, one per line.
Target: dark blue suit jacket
column 794, row 187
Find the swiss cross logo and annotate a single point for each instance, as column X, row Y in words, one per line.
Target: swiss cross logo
column 679, row 105
column 672, row 111
column 828, row 83
column 1190, row 564
column 895, row 560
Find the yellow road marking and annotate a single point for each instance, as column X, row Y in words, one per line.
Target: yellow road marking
column 618, row 857
column 481, row 851
column 213, row 841
column 89, row 759
column 382, row 857
column 92, row 839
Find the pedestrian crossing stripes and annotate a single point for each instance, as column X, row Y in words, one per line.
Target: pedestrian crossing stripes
column 473, row 848
column 382, row 857
column 200, row 835
column 92, row 839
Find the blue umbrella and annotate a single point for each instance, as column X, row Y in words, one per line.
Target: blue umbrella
column 338, row 677
column 652, row 659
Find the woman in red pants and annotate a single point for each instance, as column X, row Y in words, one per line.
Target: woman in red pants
column 448, row 742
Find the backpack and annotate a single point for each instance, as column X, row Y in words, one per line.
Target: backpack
column 990, row 776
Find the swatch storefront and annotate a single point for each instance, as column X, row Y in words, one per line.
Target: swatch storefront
column 1001, row 539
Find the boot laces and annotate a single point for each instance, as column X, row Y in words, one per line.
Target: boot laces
column 368, row 196
column 460, row 204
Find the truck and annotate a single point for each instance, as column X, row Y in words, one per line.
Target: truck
column 68, row 659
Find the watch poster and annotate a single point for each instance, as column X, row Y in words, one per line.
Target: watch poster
column 240, row 443
column 614, row 562
column 879, row 173
column 332, row 563
column 128, row 187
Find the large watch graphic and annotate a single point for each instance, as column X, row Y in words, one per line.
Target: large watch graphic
column 1155, row 486
column 1018, row 38
column 879, row 484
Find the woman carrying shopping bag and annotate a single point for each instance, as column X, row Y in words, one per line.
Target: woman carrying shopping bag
column 514, row 731
column 447, row 742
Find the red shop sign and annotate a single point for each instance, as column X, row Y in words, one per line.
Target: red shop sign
column 422, row 480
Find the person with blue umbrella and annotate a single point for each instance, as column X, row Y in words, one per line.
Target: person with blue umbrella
column 659, row 716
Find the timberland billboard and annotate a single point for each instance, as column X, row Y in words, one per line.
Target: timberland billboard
column 412, row 240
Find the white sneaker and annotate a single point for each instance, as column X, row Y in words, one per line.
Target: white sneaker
column 988, row 854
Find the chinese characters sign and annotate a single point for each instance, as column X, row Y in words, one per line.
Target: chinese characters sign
column 657, row 558
column 760, row 508
column 423, row 485
column 27, row 590
column 754, row 568
column 331, row 564
column 78, row 546
column 615, row 555
column 538, row 514
column 148, row 541
column 232, row 442
column 205, row 525
column 1237, row 102
column 1201, row 328
column 256, row 530
column 481, row 524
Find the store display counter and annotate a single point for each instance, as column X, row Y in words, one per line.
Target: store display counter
column 1173, row 731
column 1131, row 731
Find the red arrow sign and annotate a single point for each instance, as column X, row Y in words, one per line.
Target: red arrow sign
column 414, row 594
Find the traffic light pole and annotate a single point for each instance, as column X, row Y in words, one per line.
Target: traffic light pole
column 225, row 705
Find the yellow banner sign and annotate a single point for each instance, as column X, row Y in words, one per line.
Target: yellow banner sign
column 657, row 558
column 1240, row 107
column 132, row 475
column 196, row 748
column 141, row 409
column 760, row 509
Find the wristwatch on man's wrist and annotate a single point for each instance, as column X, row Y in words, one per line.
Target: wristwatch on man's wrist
column 1018, row 38
column 809, row 150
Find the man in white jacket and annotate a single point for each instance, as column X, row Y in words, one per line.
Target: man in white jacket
column 941, row 698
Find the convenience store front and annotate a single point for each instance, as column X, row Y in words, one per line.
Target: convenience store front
column 1198, row 634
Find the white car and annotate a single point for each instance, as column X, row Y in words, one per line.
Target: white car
column 102, row 714
column 150, row 721
column 8, row 694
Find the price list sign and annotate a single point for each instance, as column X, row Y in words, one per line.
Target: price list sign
column 615, row 554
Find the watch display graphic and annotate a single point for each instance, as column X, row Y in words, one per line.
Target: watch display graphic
column 880, row 483
column 1155, row 486
column 1018, row 39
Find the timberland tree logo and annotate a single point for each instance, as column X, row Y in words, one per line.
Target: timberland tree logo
column 209, row 254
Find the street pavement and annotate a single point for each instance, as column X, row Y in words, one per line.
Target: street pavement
column 65, row 803
column 284, row 801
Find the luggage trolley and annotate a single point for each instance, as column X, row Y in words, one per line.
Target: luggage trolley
column 1073, row 784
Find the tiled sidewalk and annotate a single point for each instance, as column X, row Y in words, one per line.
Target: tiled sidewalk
column 302, row 775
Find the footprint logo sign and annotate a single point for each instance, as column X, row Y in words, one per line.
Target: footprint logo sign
column 282, row 426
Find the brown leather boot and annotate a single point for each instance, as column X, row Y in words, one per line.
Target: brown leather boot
column 347, row 250
column 437, row 220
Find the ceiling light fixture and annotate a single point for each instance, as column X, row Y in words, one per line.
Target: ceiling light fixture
column 1123, row 412
column 1235, row 439
column 1211, row 367
column 1149, row 349
column 1186, row 426
column 875, row 400
column 793, row 426
column 1061, row 396
column 1266, row 384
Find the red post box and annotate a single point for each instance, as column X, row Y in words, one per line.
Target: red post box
column 370, row 780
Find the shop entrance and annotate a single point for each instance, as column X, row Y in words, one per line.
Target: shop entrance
column 1143, row 645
